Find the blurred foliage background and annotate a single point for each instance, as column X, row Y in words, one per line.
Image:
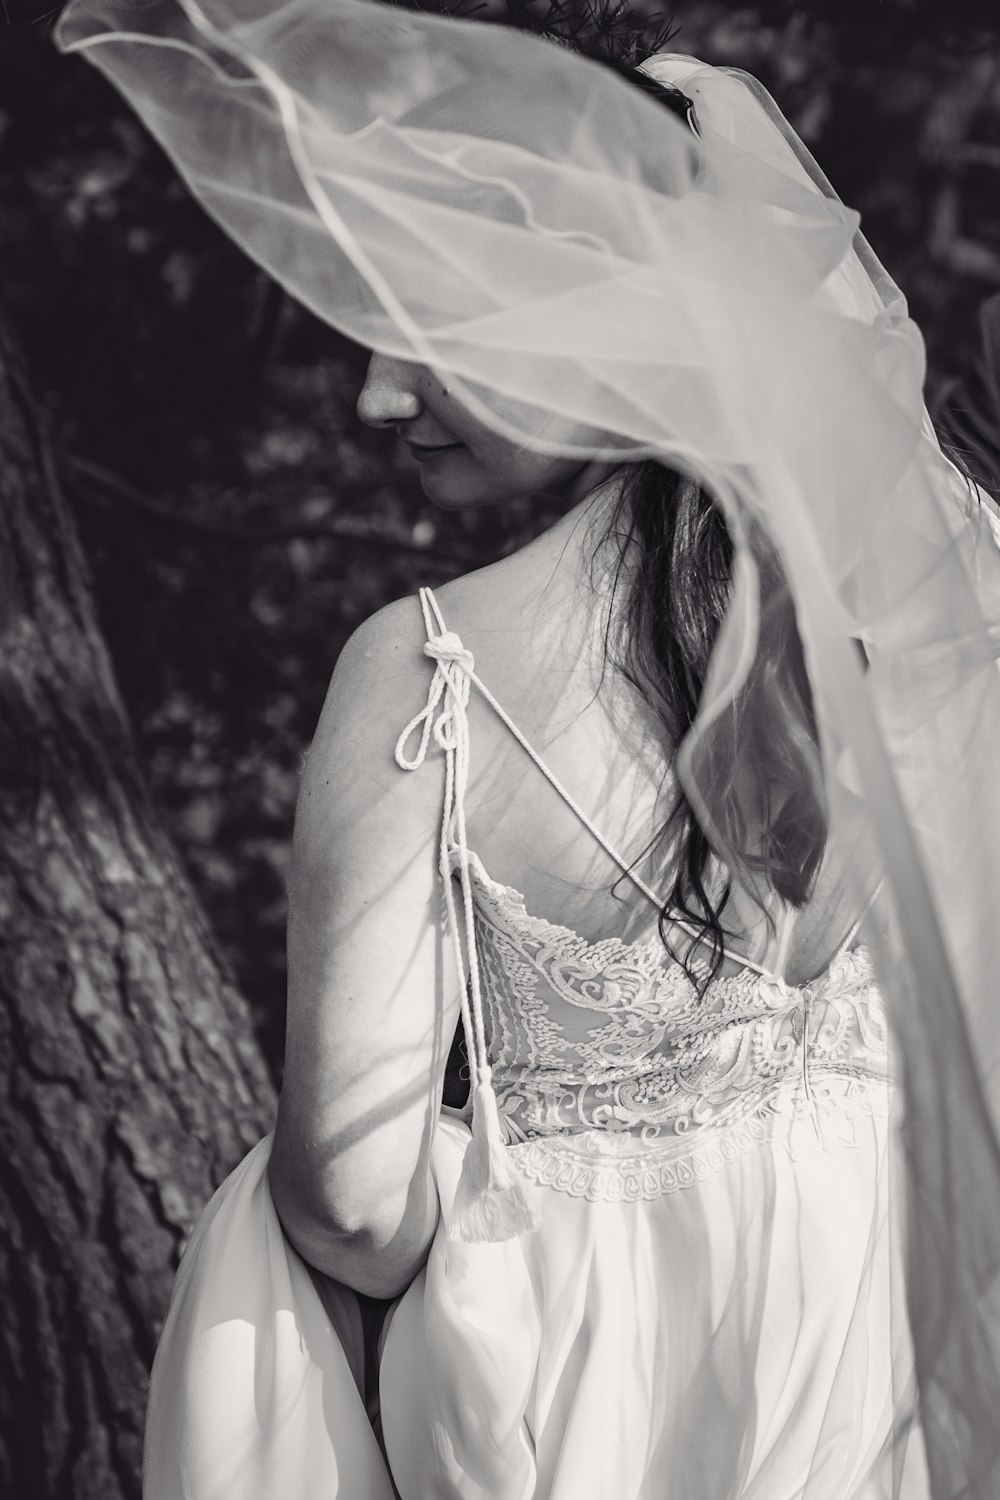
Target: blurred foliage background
column 239, row 520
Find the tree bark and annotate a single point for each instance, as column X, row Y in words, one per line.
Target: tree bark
column 130, row 1083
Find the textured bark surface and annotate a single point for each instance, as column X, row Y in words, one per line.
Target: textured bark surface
column 129, row 1080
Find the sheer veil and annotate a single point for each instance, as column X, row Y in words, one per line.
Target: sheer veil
column 595, row 281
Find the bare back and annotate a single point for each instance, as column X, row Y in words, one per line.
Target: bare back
column 536, row 623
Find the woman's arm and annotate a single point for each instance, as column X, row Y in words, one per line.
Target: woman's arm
column 373, row 996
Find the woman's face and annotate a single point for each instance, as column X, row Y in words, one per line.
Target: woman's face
column 462, row 461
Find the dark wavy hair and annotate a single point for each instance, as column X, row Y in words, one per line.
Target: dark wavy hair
column 671, row 588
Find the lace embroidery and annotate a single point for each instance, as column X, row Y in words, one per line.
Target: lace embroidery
column 597, row 1067
column 592, row 1164
column 615, row 1081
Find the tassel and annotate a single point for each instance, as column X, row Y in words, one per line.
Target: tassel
column 491, row 1202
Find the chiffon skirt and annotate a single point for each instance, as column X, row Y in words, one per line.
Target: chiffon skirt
column 729, row 1341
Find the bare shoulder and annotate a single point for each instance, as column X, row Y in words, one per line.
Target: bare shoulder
column 382, row 653
column 496, row 590
column 378, row 686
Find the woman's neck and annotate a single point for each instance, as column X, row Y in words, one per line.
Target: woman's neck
column 577, row 542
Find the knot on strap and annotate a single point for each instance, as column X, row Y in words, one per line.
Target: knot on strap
column 443, row 715
column 447, row 647
column 491, row 1201
column 446, row 731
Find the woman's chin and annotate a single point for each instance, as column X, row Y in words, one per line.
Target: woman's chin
column 450, row 491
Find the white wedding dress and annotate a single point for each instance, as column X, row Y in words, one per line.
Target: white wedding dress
column 703, row 1312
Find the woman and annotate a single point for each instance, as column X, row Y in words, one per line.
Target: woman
column 624, row 1362
column 632, row 804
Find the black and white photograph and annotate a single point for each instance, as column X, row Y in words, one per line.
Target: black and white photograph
column 500, row 750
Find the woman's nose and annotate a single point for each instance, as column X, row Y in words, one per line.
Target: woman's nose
column 387, row 395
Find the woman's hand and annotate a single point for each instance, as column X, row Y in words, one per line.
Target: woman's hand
column 373, row 997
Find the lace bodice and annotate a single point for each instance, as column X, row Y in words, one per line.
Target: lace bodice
column 600, row 1066
column 615, row 1079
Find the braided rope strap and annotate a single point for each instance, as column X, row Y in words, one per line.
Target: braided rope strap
column 491, row 1202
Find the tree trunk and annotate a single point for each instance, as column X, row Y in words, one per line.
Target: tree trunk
column 129, row 1080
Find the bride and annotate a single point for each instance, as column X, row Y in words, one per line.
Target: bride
column 616, row 1351
column 680, row 816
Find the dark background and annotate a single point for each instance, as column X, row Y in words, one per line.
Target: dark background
column 238, row 520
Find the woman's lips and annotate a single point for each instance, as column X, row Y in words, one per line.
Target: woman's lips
column 428, row 450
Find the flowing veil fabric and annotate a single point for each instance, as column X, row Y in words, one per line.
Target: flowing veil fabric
column 594, row 281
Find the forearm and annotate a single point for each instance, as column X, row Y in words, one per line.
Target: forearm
column 377, row 1249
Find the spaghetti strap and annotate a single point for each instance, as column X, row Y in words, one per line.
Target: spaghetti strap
column 490, row 1202
column 446, row 648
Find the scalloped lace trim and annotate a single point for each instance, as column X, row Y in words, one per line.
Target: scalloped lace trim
column 613, row 1167
column 616, row 1080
